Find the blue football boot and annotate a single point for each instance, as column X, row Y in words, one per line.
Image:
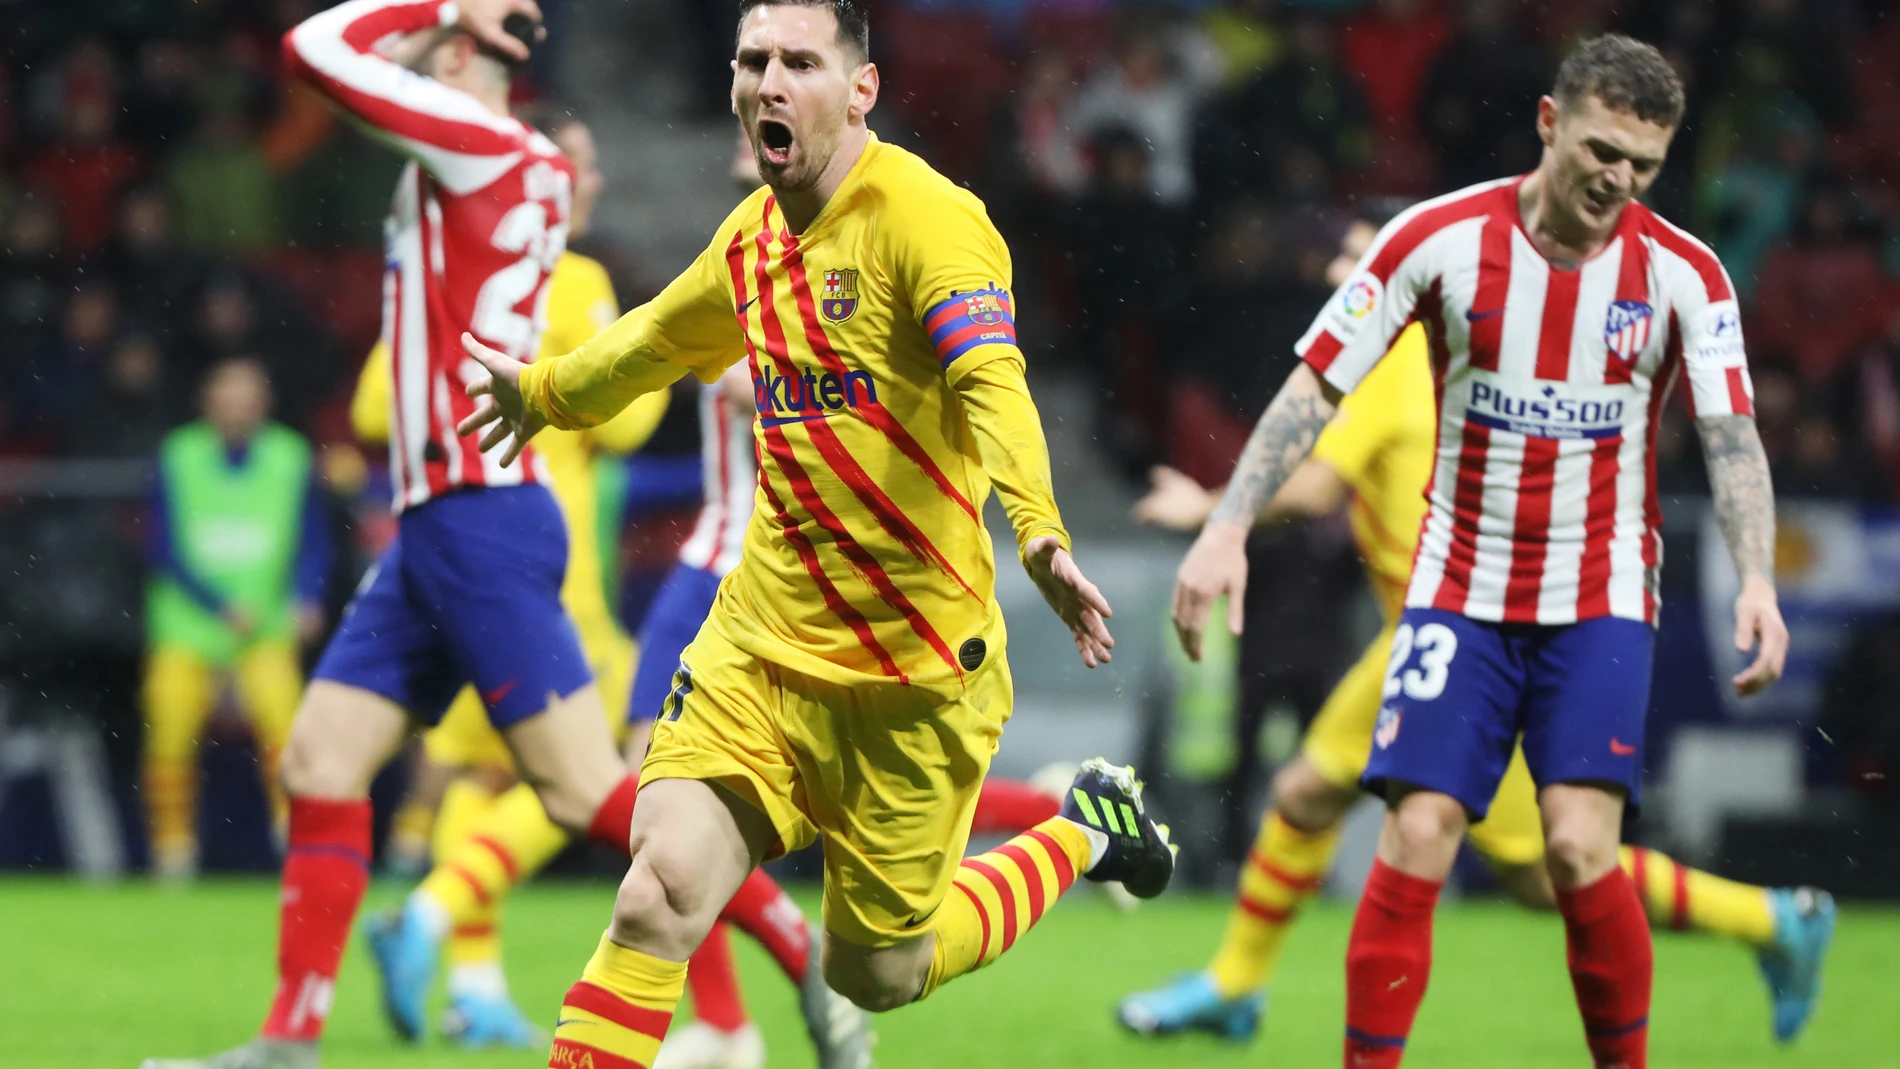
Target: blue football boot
column 479, row 1021
column 1804, row 928
column 1189, row 1003
column 405, row 954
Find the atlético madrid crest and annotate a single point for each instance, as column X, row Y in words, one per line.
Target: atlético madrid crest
column 840, row 298
column 1627, row 329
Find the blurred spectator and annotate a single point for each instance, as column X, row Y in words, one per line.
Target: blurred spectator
column 1145, row 89
column 83, row 169
column 134, row 406
column 1478, row 106
column 1294, row 130
column 54, row 401
column 32, row 279
column 1391, row 46
column 1818, row 295
column 1749, row 205
column 154, row 274
column 1246, row 37
column 1050, row 158
column 224, row 191
column 1122, row 248
column 159, row 107
column 1867, row 404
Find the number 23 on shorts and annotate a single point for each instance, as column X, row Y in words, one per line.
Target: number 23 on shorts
column 1421, row 679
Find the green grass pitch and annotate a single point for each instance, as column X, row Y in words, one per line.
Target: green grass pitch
column 97, row 978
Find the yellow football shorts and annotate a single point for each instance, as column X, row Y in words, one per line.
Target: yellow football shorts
column 888, row 775
column 1340, row 740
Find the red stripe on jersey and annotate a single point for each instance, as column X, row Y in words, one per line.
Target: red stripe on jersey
column 1599, row 524
column 1738, row 400
column 1430, row 310
column 1494, row 285
column 1530, row 538
column 471, row 138
column 373, row 26
column 399, row 439
column 807, row 554
column 778, row 446
column 1714, row 279
column 1325, row 349
column 873, row 412
column 891, row 518
column 1430, row 221
column 437, row 474
column 1560, row 322
column 1467, row 506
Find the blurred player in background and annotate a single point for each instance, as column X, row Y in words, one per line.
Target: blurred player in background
column 1558, row 313
column 850, row 681
column 1375, row 456
column 470, row 589
column 467, row 769
column 240, row 551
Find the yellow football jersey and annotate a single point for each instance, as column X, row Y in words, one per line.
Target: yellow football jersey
column 1382, row 442
column 866, row 558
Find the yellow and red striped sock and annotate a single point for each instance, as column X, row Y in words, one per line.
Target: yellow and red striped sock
column 999, row 895
column 615, row 1016
column 1685, row 899
column 508, row 844
column 1284, row 868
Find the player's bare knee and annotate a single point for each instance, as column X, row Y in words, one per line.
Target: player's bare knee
column 1306, row 801
column 313, row 766
column 1577, row 855
column 657, row 908
column 876, row 982
column 1427, row 820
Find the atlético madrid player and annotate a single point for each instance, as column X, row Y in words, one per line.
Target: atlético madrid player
column 1559, row 312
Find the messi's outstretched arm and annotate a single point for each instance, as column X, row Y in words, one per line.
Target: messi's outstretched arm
column 1745, row 510
column 1217, row 564
column 1002, row 417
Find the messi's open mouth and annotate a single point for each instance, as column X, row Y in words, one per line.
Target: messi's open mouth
column 775, row 141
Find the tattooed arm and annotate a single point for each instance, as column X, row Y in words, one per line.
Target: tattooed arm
column 1745, row 510
column 1217, row 564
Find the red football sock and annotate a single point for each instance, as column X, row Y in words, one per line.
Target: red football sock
column 762, row 910
column 326, row 867
column 613, row 821
column 715, row 984
column 1611, row 968
column 1008, row 805
column 1388, row 961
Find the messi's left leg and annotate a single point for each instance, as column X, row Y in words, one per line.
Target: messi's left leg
column 904, row 771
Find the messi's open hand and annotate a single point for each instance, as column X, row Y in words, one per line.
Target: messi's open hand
column 1216, row 567
column 1072, row 596
column 503, row 406
column 1759, row 627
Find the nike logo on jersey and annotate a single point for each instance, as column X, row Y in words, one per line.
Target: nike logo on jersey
column 748, row 304
column 494, row 697
column 1473, row 315
column 1621, row 749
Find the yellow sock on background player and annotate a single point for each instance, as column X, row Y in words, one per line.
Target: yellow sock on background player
column 1685, row 899
column 1284, row 868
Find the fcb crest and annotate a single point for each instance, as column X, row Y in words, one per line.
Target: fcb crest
column 984, row 308
column 1626, row 331
column 840, row 297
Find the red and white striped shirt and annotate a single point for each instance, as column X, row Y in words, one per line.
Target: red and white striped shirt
column 480, row 216
column 1542, row 501
column 732, row 481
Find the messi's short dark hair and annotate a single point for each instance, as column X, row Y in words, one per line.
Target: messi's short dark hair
column 1626, row 75
column 854, row 24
